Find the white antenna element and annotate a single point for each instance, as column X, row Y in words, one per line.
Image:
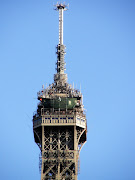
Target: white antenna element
column 61, row 7
column 60, row 26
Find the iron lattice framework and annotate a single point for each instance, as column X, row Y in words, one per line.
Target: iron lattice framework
column 59, row 124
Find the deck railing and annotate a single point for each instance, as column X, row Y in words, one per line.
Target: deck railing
column 60, row 118
column 45, row 111
column 59, row 121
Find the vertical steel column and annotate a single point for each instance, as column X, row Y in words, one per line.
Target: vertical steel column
column 59, row 157
column 76, row 151
column 42, row 152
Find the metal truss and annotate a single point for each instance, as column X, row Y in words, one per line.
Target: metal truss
column 59, row 157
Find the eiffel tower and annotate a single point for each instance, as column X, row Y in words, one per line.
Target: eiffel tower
column 59, row 124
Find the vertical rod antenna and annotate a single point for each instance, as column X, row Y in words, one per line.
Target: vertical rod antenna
column 60, row 77
column 61, row 26
column 60, row 7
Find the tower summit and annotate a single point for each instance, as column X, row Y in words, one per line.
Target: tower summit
column 59, row 124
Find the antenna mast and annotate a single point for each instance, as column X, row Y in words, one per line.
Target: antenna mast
column 60, row 78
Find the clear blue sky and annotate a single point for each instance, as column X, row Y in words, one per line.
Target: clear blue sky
column 100, row 40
